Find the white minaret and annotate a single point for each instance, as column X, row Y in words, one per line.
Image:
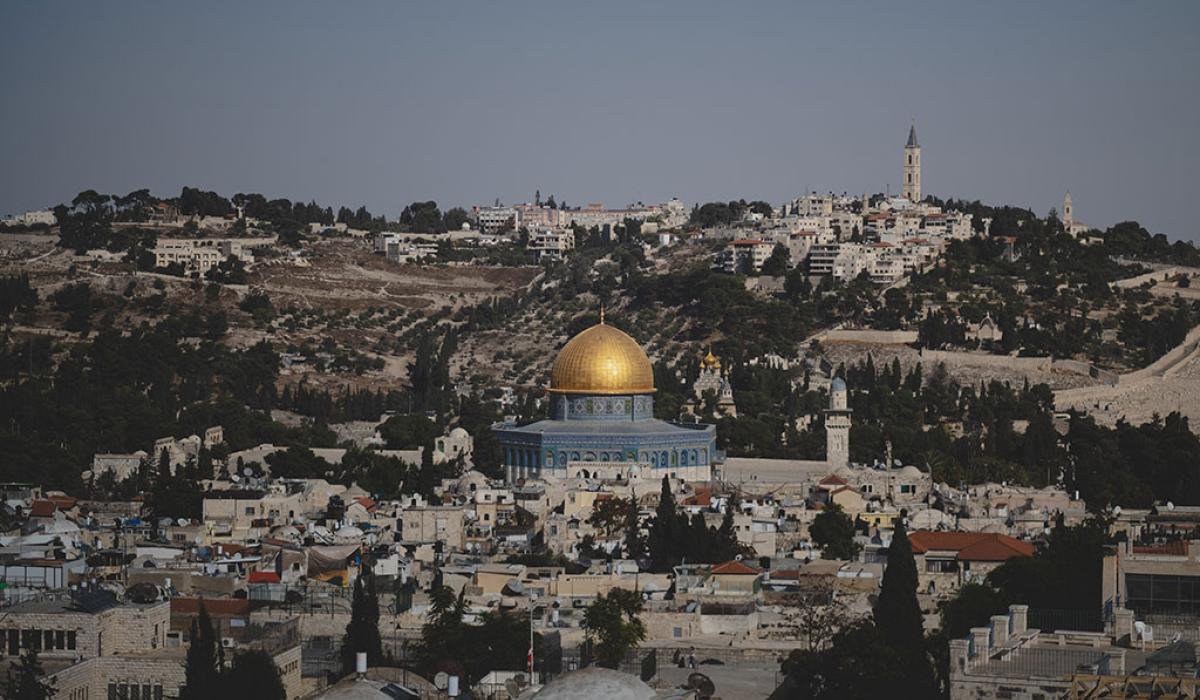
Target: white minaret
column 1068, row 216
column 912, row 167
column 837, row 426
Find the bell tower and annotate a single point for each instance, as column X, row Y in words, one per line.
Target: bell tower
column 912, row 167
column 1068, row 215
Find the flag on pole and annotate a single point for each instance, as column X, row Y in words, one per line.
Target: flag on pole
column 530, row 660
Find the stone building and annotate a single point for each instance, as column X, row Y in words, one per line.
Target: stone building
column 947, row 560
column 1008, row 659
column 84, row 624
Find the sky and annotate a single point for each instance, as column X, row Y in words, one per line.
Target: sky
column 385, row 103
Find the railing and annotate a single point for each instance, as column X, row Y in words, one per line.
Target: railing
column 1047, row 662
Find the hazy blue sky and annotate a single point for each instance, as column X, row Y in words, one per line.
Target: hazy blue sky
column 385, row 103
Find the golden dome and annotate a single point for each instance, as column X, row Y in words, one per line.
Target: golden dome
column 710, row 361
column 602, row 360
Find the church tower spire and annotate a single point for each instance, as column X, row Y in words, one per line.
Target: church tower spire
column 1068, row 215
column 912, row 166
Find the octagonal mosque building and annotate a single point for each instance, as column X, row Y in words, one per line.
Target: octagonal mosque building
column 601, row 423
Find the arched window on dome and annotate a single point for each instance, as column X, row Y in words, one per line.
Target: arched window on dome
column 662, row 459
column 589, row 457
column 695, row 457
column 683, row 458
column 562, row 459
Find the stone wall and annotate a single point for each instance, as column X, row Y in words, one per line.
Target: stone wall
column 869, row 336
column 1031, row 364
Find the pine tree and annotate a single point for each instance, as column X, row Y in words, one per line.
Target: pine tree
column 25, row 679
column 362, row 632
column 205, row 660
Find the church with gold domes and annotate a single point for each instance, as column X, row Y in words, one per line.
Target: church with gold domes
column 601, row 423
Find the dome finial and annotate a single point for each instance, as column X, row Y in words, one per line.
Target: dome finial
column 602, row 314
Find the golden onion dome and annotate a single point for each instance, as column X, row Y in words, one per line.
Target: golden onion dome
column 710, row 361
column 602, row 360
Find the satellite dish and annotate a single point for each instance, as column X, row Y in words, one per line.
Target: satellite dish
column 1117, row 510
column 182, row 522
column 1170, row 505
column 441, row 680
column 248, row 471
column 702, row 684
column 235, row 478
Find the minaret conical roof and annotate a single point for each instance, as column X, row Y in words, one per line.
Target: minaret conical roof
column 912, row 137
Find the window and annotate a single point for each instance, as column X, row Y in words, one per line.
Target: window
column 941, row 566
column 71, row 639
column 677, row 632
column 1154, row 593
column 249, row 510
column 60, row 639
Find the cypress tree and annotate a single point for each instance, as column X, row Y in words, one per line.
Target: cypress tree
column 727, row 544
column 362, row 632
column 635, row 544
column 205, row 660
column 898, row 615
column 665, row 532
column 253, row 674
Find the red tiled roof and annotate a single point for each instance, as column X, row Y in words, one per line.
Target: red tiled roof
column 63, row 502
column 971, row 546
column 734, row 568
column 366, row 502
column 225, row 607
column 42, row 509
column 263, row 577
column 1177, row 548
column 832, row 480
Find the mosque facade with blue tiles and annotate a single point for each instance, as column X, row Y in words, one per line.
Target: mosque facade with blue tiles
column 601, row 422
